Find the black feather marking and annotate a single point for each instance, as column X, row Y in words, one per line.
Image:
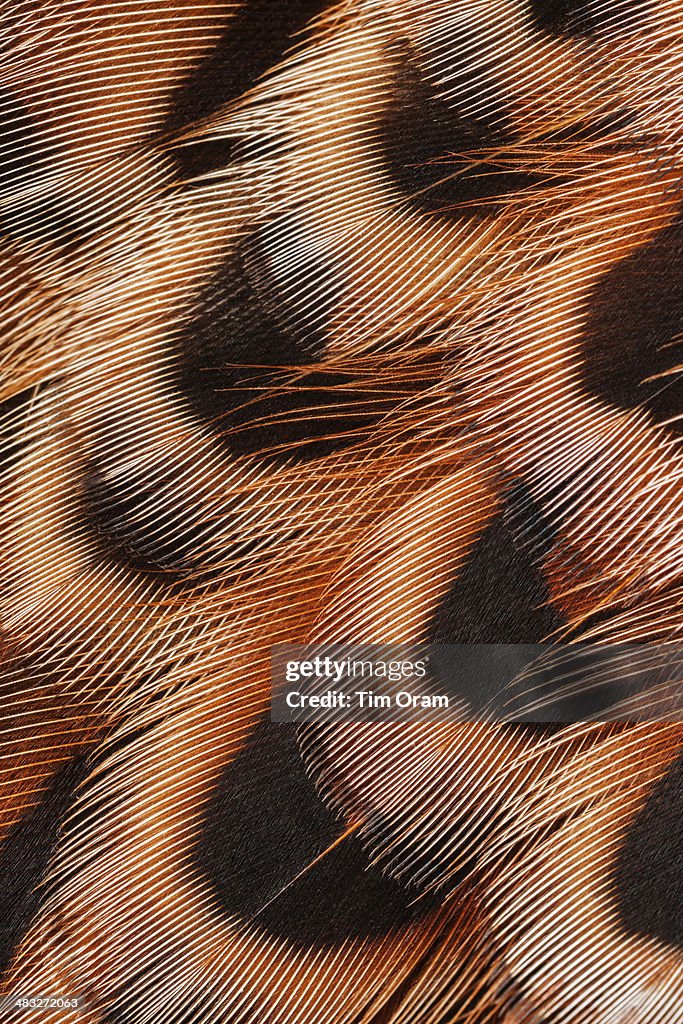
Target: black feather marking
column 248, row 364
column 649, row 874
column 634, row 330
column 561, row 17
column 500, row 594
column 443, row 160
column 254, row 40
column 143, row 527
column 167, row 544
column 199, row 158
column 200, row 161
column 25, row 156
column 266, row 824
column 601, row 129
column 26, row 854
column 585, row 18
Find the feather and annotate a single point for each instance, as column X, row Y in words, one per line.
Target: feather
column 337, row 323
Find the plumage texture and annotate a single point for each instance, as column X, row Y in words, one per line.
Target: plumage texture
column 343, row 322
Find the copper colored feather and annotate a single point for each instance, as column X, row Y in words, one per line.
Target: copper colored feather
column 359, row 323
